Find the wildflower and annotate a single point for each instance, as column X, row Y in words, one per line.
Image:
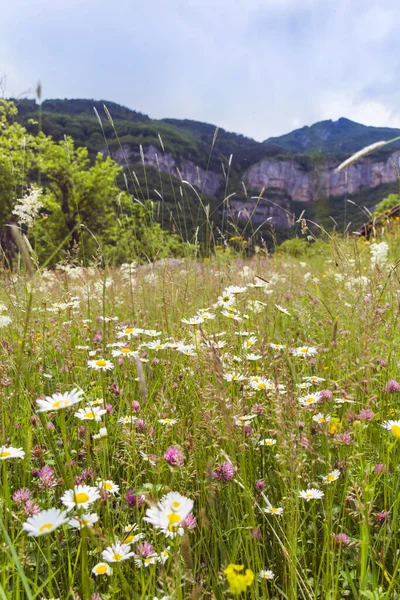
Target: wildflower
column 305, row 351
column 283, row 310
column 102, row 433
column 123, row 351
column 102, row 569
column 277, row 346
column 325, row 395
column 100, row 364
column 321, row 418
column 5, row 320
column 224, row 472
column 127, row 420
column 394, row 427
column 46, row 478
column 253, row 357
column 83, row 521
column 170, row 513
column 309, row 399
column 382, row 516
column 261, row 383
column 146, row 562
column 238, row 582
column 233, row 377
column 197, row 320
column 342, row 539
column 268, row 575
column 134, row 500
column 235, row 315
column 58, row 400
column 174, row 456
column 164, row 556
column 31, row 508
column 28, row 207
column 108, row 485
column 190, row 522
column 7, row 452
column 21, row 496
column 260, row 485
column 332, row 476
column 156, row 345
column 168, row 421
column 379, row 253
column 271, row 510
column 380, row 468
column 267, row 442
column 314, row 379
column 366, row 415
column 81, row 496
column 226, row 300
column 117, row 552
column 187, row 349
column 129, row 332
column 392, row 386
column 311, row 494
column 90, row 413
column 45, row 522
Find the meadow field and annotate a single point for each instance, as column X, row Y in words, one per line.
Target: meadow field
column 210, row 429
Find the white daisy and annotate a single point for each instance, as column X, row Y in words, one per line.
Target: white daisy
column 117, row 552
column 90, row 413
column 152, row 559
column 283, row 310
column 267, row 442
column 321, row 418
column 271, row 510
column 332, row 476
column 58, row 400
column 103, row 433
column 7, row 452
column 169, row 513
column 102, row 569
column 81, row 496
column 168, row 421
column 100, row 364
column 310, row 399
column 45, row 522
column 106, row 484
column 129, row 332
column 268, row 575
column 311, row 494
column 197, row 320
column 83, row 521
column 304, row 351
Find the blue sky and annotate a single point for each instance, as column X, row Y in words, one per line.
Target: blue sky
column 257, row 67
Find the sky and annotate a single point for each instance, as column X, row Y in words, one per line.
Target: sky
column 257, row 67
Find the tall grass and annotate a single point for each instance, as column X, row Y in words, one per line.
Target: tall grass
column 345, row 544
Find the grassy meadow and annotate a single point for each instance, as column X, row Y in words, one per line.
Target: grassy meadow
column 204, row 429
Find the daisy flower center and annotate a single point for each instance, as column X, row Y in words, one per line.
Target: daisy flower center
column 46, row 527
column 101, row 363
column 309, row 495
column 396, row 430
column 4, row 454
column 261, row 386
column 129, row 539
column 81, row 498
column 274, row 510
column 108, row 486
column 129, row 330
column 125, row 350
column 60, row 403
column 117, row 556
column 330, row 478
column 101, row 569
column 89, row 415
column 173, row 518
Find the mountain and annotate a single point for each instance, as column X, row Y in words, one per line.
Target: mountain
column 296, row 171
column 332, row 138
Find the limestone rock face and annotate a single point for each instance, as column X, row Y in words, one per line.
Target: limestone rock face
column 208, row 183
column 323, row 181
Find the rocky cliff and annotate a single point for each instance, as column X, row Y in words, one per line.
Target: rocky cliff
column 323, row 180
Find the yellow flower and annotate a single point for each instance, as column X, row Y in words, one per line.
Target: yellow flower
column 334, row 426
column 237, row 581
